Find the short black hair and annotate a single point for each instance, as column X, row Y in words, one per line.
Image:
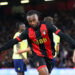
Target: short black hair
column 31, row 12
column 18, row 24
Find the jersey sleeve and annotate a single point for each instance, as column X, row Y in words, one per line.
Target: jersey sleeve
column 24, row 35
column 11, row 42
column 52, row 28
column 16, row 34
column 57, row 31
column 58, row 41
column 56, row 38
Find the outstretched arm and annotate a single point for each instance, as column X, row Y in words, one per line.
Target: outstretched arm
column 22, row 51
column 57, row 31
column 67, row 38
column 11, row 42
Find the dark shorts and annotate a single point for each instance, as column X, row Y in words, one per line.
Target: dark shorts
column 40, row 62
column 19, row 65
column 54, row 61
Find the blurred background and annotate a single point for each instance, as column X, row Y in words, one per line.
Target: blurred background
column 63, row 12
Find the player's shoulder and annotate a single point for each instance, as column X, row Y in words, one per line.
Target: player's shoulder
column 25, row 32
column 16, row 34
column 56, row 35
column 45, row 22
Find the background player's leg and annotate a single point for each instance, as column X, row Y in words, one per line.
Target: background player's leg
column 19, row 66
column 43, row 71
column 20, row 73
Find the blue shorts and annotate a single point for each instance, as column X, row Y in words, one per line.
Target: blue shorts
column 54, row 61
column 19, row 65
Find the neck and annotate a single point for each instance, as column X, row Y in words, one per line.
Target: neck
column 38, row 25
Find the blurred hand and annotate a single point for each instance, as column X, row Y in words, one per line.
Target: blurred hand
column 26, row 61
column 18, row 51
column 73, row 58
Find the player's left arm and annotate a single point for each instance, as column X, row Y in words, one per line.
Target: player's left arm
column 58, row 44
column 73, row 57
column 22, row 51
column 57, row 31
column 57, row 47
column 67, row 38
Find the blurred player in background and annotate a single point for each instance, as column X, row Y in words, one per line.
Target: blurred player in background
column 20, row 59
column 56, row 40
column 40, row 38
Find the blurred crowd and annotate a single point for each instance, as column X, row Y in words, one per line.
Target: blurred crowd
column 65, row 20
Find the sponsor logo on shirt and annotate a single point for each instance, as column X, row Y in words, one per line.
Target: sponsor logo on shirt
column 40, row 41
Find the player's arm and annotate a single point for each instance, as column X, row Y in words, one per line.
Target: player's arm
column 73, row 58
column 56, row 50
column 57, row 47
column 18, row 47
column 67, row 38
column 11, row 42
column 22, row 51
column 58, row 44
column 57, row 31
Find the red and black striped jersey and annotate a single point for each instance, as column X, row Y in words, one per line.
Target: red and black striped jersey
column 41, row 39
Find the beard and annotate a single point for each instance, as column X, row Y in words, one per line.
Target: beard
column 34, row 25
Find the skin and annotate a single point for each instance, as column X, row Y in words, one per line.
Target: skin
column 33, row 20
column 73, row 58
column 22, row 51
column 22, row 27
column 43, row 71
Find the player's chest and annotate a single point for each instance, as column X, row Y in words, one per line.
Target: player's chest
column 39, row 35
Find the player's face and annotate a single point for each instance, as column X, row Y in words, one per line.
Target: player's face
column 22, row 27
column 33, row 20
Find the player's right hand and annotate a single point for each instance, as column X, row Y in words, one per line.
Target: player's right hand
column 18, row 51
column 73, row 58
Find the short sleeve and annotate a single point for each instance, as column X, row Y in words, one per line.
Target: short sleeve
column 24, row 35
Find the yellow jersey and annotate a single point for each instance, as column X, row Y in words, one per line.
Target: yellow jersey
column 23, row 45
column 56, row 40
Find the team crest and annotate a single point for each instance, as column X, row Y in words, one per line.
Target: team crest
column 44, row 32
